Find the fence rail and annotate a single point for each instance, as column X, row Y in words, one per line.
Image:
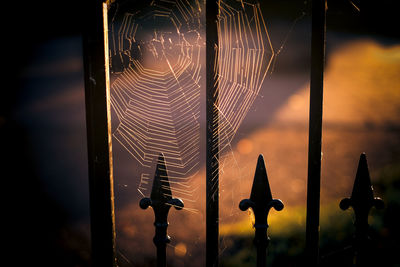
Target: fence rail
column 212, row 135
column 98, row 124
column 318, row 32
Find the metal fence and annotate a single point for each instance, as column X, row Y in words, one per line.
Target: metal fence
column 260, row 200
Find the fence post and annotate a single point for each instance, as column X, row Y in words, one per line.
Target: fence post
column 212, row 134
column 261, row 202
column 98, row 121
column 161, row 201
column 315, row 131
column 362, row 200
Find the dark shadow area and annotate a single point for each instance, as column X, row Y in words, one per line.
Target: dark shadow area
column 39, row 228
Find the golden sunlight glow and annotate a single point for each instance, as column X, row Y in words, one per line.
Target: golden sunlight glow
column 279, row 223
column 361, row 87
column 245, row 146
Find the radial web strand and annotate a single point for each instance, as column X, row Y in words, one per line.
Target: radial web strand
column 155, row 90
column 245, row 56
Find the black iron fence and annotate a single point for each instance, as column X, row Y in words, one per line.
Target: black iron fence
column 360, row 252
column 161, row 199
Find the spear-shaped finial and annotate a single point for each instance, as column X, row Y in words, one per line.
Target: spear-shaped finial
column 161, row 201
column 261, row 202
column 362, row 200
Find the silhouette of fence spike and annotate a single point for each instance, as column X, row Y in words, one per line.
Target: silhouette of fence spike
column 261, row 202
column 161, row 201
column 362, row 200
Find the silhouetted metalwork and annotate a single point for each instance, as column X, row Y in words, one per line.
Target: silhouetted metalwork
column 261, row 202
column 318, row 25
column 98, row 124
column 362, row 200
column 212, row 135
column 161, row 201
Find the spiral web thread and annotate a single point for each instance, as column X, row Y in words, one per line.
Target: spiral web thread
column 156, row 62
column 245, row 56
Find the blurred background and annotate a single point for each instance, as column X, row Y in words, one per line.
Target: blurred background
column 43, row 136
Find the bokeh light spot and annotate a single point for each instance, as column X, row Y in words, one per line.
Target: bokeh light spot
column 245, row 146
column 180, row 250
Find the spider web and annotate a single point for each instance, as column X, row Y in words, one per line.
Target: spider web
column 157, row 52
column 155, row 94
column 245, row 56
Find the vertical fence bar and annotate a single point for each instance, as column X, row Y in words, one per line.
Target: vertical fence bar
column 212, row 135
column 95, row 45
column 315, row 130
